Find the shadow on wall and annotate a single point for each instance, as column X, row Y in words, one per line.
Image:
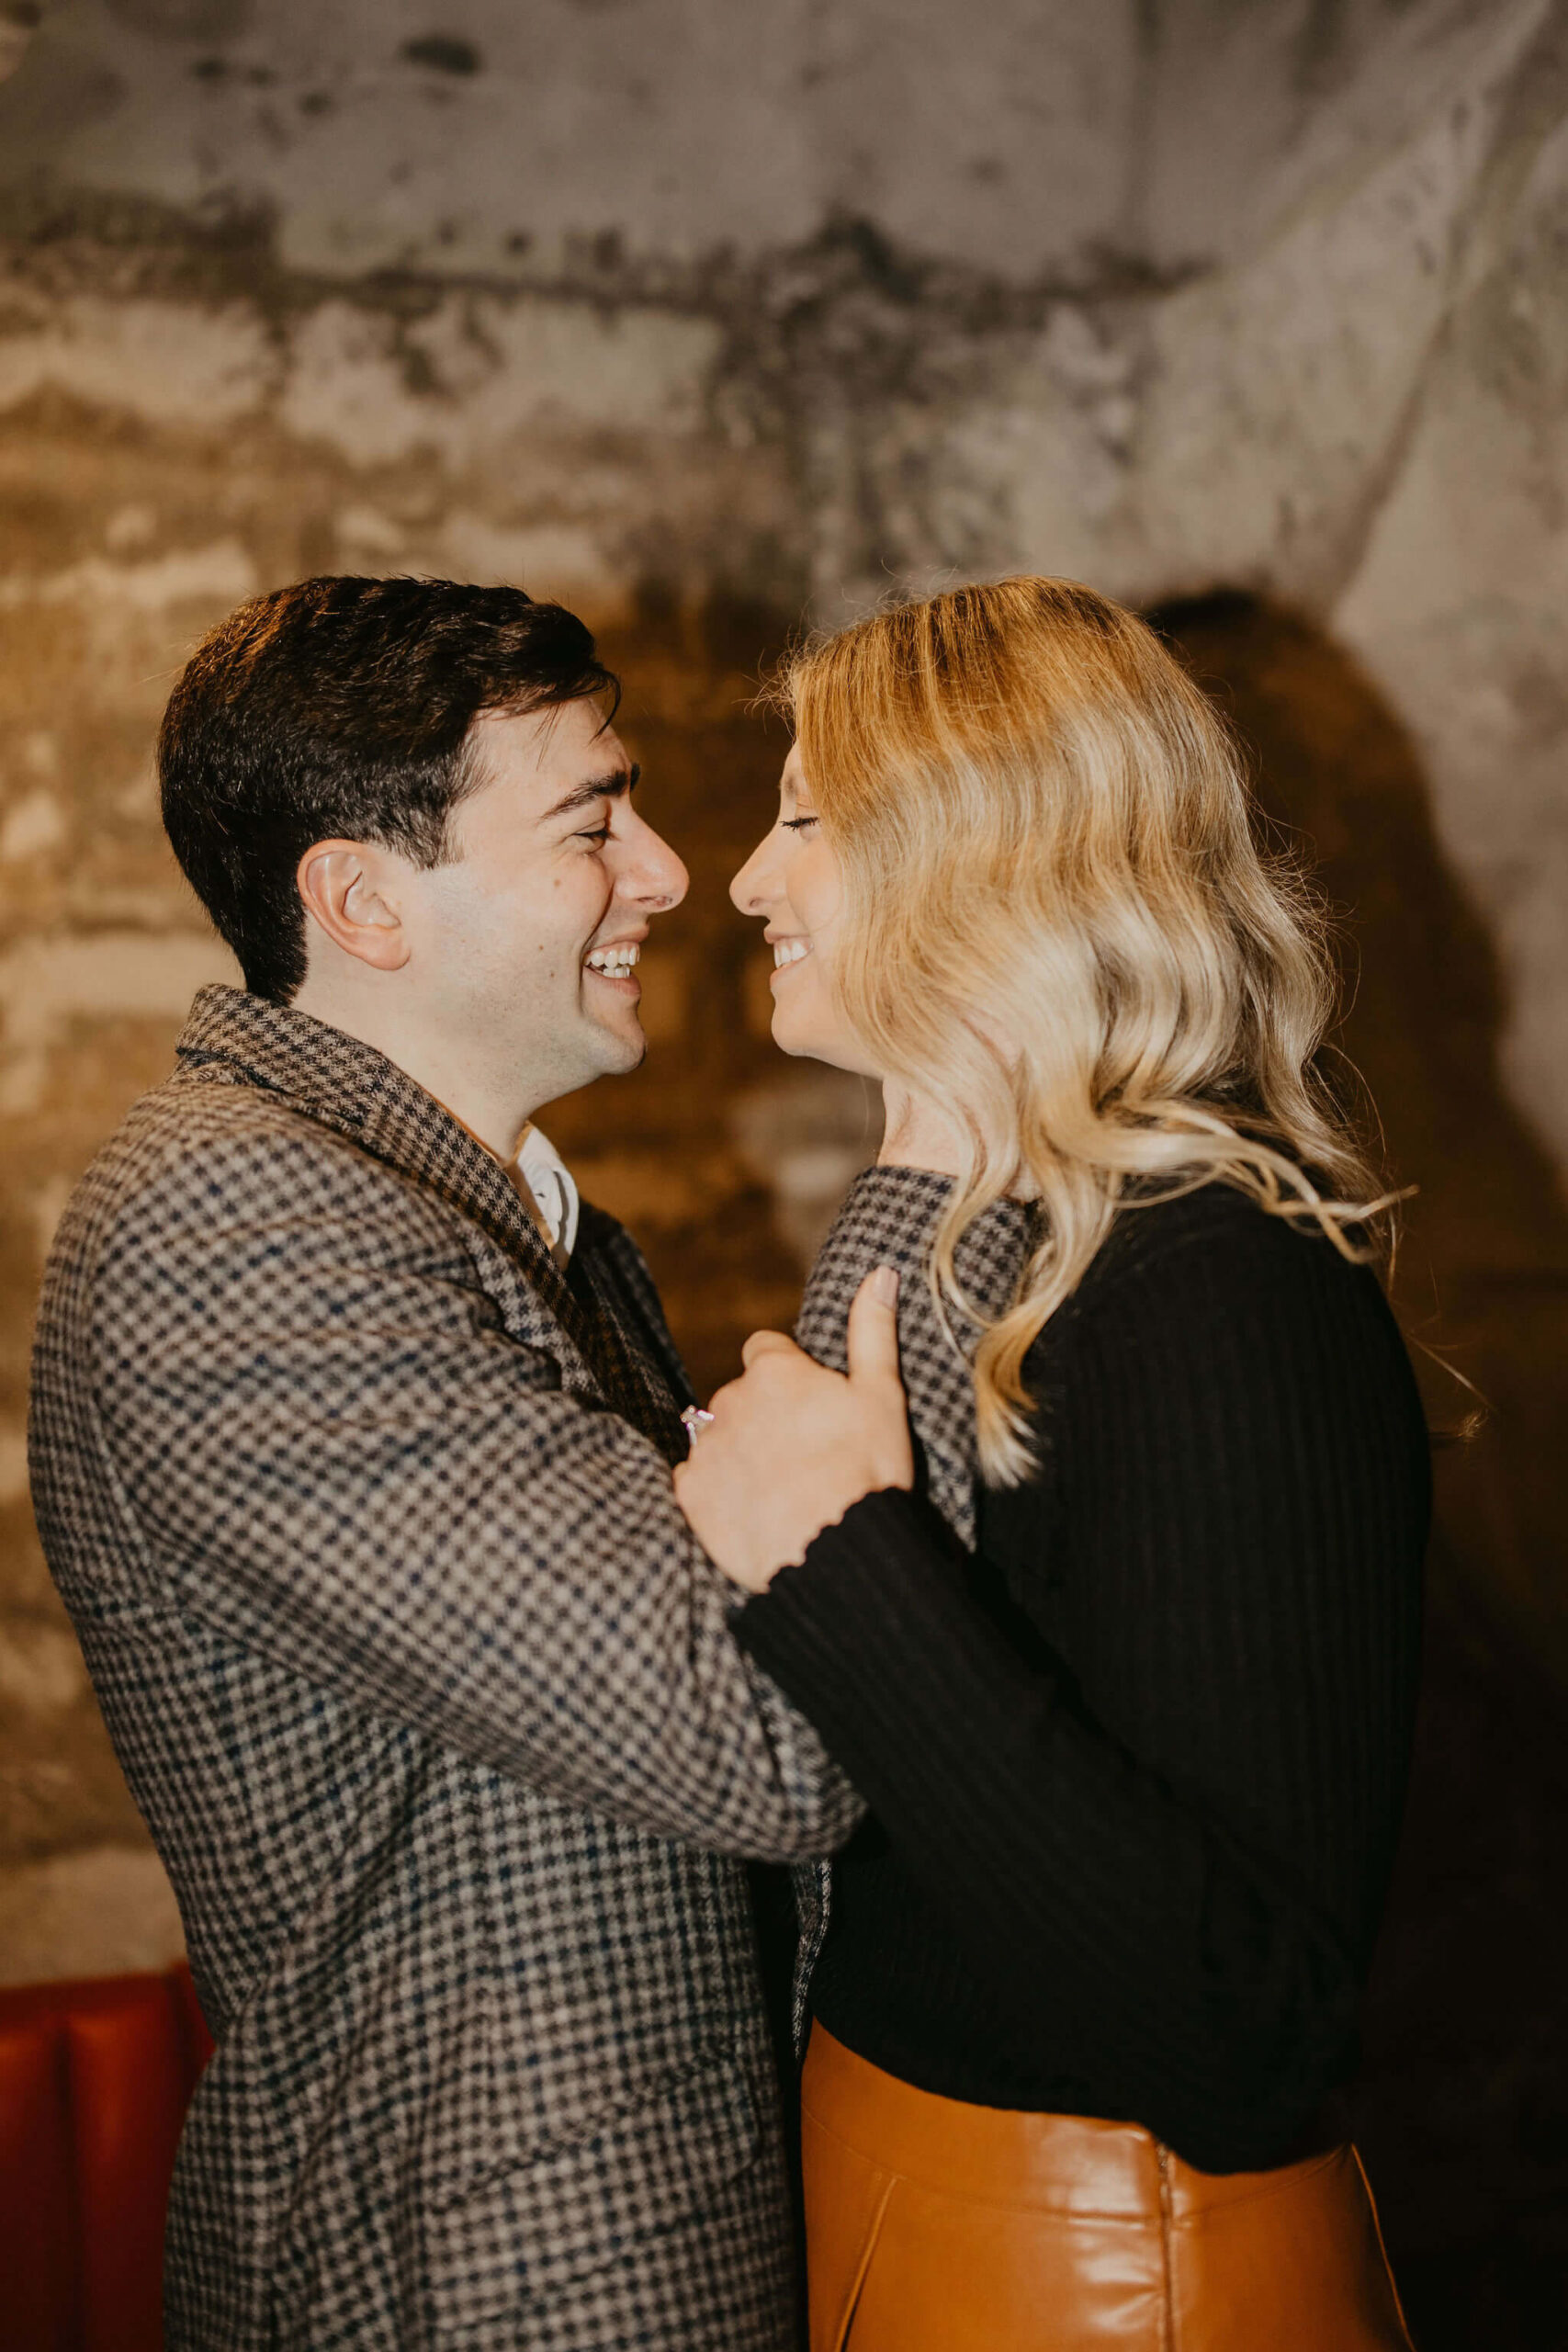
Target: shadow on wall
column 1483, row 1261
column 1463, row 2113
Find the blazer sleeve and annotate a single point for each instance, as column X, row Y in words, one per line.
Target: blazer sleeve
column 333, row 1452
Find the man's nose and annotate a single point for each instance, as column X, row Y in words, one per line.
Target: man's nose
column 652, row 873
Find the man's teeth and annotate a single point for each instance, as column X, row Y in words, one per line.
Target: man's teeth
column 614, row 962
column 789, row 951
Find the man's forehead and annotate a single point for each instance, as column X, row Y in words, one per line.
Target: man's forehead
column 546, row 752
column 558, row 728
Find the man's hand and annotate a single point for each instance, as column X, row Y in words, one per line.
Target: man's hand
column 791, row 1446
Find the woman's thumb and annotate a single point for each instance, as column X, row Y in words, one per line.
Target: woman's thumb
column 871, row 1339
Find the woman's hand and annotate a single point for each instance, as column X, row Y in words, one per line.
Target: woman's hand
column 791, row 1446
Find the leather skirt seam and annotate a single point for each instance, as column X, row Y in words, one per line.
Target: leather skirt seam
column 1140, row 2221
column 1288, row 2177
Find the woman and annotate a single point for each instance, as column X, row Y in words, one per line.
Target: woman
column 1135, row 1767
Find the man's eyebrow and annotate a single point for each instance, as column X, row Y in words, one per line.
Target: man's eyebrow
column 599, row 788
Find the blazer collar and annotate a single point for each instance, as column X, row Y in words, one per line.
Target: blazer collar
column 347, row 1085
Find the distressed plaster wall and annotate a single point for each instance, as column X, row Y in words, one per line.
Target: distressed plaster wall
column 702, row 316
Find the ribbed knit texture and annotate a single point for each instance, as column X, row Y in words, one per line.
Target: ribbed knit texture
column 1136, row 1771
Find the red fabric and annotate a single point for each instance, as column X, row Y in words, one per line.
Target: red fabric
column 193, row 2025
column 94, row 2078
column 36, row 2219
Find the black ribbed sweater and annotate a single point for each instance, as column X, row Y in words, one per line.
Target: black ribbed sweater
column 1136, row 1771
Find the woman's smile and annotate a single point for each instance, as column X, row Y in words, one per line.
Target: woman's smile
column 791, row 882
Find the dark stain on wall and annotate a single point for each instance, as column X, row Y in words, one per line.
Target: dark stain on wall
column 443, row 53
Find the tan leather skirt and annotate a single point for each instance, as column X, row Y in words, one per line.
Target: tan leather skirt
column 935, row 2226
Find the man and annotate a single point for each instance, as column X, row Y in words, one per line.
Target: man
column 351, row 1444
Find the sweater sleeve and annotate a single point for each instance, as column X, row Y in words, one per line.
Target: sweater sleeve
column 1189, row 1909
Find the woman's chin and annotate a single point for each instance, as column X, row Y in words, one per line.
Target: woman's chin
column 787, row 1041
column 806, row 1044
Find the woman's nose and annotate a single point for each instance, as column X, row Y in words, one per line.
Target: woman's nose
column 753, row 889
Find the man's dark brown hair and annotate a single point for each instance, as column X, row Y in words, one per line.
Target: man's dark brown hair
column 340, row 709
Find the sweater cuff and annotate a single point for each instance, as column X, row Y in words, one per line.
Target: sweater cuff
column 888, row 1522
column 884, row 1587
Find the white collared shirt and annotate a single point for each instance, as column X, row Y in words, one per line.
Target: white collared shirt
column 544, row 1182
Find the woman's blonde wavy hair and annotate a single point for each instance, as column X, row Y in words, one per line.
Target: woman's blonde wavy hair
column 1058, row 924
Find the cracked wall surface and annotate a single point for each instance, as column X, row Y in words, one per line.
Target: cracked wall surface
column 705, row 317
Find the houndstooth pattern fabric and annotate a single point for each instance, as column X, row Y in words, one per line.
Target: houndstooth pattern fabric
column 362, row 1509
column 889, row 1218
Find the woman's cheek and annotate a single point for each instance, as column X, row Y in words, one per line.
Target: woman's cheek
column 814, row 888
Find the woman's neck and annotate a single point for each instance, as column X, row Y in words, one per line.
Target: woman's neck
column 916, row 1134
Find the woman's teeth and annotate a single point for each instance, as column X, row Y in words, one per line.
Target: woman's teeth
column 615, row 963
column 789, row 951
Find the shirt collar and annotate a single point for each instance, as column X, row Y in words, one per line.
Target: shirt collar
column 547, row 1186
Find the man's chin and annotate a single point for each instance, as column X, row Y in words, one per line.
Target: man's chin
column 621, row 1050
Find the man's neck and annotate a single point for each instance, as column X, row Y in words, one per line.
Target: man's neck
column 492, row 1109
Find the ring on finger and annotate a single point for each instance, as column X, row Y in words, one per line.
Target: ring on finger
column 695, row 1419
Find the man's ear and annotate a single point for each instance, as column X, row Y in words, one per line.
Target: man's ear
column 350, row 889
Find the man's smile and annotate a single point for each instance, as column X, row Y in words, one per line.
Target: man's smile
column 616, row 964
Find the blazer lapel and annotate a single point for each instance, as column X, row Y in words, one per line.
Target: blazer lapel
column 889, row 1217
column 334, row 1079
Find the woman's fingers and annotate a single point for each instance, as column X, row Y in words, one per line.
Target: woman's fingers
column 871, row 1339
column 765, row 1343
column 792, row 1445
column 876, row 1390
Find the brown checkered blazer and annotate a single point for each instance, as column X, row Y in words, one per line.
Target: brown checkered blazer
column 362, row 1511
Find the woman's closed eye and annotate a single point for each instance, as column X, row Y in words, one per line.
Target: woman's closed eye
column 797, row 824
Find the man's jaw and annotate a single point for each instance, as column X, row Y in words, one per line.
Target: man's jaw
column 611, row 994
